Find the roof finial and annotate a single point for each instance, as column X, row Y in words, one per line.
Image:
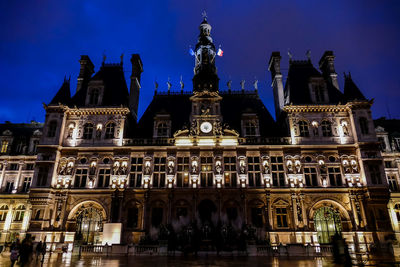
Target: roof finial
column 204, row 14
column 122, row 59
column 182, row 84
column 255, row 84
column 308, row 54
column 290, row 55
column 104, row 58
column 242, row 82
column 169, row 84
column 155, row 86
column 229, row 85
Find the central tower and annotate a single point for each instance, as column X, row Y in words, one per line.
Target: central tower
column 205, row 73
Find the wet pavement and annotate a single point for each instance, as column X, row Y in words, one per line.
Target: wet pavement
column 67, row 259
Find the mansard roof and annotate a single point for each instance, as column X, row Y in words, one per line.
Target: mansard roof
column 351, row 91
column 297, row 90
column 115, row 88
column 63, row 95
column 20, row 133
column 178, row 107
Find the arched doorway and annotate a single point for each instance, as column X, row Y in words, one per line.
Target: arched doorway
column 327, row 223
column 206, row 209
column 88, row 225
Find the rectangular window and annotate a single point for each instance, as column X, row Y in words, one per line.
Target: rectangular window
column 335, row 177
column 27, row 184
column 104, row 178
column 392, row 181
column 4, row 146
column 375, row 173
column 281, row 217
column 182, row 172
column 230, row 174
column 14, row 166
column 42, row 176
column 80, row 178
column 29, row 166
column 253, row 166
column 3, row 213
column 9, row 186
column 159, row 172
column 310, row 174
column 206, row 177
column 135, row 178
column 278, row 175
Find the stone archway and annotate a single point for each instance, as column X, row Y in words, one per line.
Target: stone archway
column 89, row 223
column 327, row 223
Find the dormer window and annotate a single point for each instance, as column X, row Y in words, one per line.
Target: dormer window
column 94, row 96
column 51, row 130
column 303, row 128
column 162, row 129
column 364, row 125
column 318, row 91
column 326, row 128
column 4, row 146
column 110, row 130
column 250, row 128
column 88, row 131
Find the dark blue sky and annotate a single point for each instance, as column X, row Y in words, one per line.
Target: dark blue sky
column 41, row 41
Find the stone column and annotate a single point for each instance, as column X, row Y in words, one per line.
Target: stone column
column 3, row 171
column 17, row 181
column 354, row 209
column 294, row 212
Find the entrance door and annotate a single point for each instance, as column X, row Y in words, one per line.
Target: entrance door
column 89, row 225
column 327, row 223
column 206, row 209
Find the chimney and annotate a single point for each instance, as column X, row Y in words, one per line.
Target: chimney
column 86, row 71
column 327, row 66
column 137, row 69
column 277, row 84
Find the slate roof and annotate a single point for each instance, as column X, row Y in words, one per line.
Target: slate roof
column 297, row 89
column 178, row 106
column 351, row 91
column 115, row 89
column 20, row 132
column 63, row 95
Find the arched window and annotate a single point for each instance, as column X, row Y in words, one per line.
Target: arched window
column 162, row 129
column 326, row 128
column 303, row 127
column 88, row 131
column 250, row 128
column 110, row 130
column 3, row 213
column 364, row 125
column 327, row 223
column 51, row 130
column 19, row 213
column 89, row 225
column 94, row 97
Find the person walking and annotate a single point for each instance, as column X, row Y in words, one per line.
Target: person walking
column 14, row 249
column 44, row 246
column 38, row 249
column 25, row 251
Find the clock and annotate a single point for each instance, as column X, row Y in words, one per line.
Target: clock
column 206, row 127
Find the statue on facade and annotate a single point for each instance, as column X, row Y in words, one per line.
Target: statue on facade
column 289, row 166
column 171, row 167
column 266, row 166
column 242, row 167
column 297, row 166
column 63, row 168
column 195, row 167
column 193, row 128
column 147, row 168
column 218, row 167
column 115, row 168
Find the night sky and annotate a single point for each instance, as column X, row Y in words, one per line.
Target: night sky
column 41, row 42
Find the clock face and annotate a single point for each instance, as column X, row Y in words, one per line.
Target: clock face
column 206, row 127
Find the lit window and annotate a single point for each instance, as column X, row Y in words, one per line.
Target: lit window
column 392, row 181
column 206, row 177
column 326, row 128
column 19, row 213
column 88, row 131
column 3, row 213
column 364, row 125
column 110, row 130
column 4, row 146
column 182, row 172
column 51, row 131
column 397, row 211
column 230, row 173
column 303, row 127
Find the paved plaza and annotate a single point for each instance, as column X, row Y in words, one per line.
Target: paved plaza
column 64, row 260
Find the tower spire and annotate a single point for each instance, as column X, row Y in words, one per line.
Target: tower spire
column 205, row 72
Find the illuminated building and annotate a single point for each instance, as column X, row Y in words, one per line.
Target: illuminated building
column 210, row 156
